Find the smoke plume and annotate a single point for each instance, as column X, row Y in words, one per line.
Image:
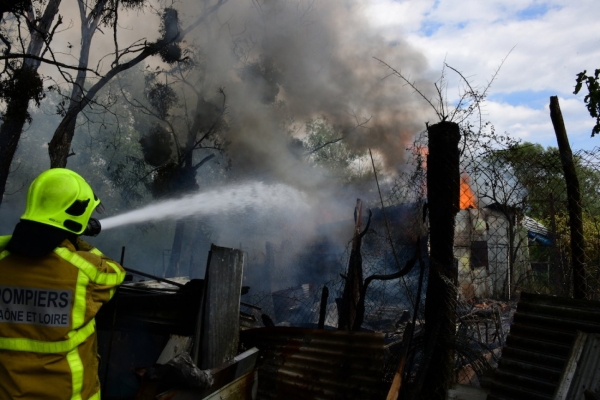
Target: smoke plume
column 296, row 60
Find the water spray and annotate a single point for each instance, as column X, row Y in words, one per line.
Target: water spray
column 227, row 200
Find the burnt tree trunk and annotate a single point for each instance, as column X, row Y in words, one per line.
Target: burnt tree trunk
column 353, row 285
column 512, row 254
column 270, row 267
column 574, row 201
column 323, row 307
column 16, row 113
column 89, row 25
column 557, row 272
column 10, row 133
column 175, row 257
column 443, row 192
column 60, row 145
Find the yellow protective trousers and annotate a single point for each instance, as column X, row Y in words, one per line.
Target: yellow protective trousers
column 48, row 346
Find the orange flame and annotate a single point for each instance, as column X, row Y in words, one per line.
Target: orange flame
column 467, row 198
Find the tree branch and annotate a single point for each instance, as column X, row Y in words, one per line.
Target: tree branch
column 204, row 161
column 12, row 56
column 412, row 85
column 203, row 17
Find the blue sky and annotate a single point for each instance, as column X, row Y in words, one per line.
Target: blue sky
column 551, row 42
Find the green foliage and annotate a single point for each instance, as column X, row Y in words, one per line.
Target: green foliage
column 109, row 10
column 326, row 147
column 169, row 30
column 157, row 146
column 175, row 124
column 592, row 99
column 171, row 178
column 591, row 233
column 132, row 4
column 540, row 171
column 162, row 98
column 15, row 6
column 23, row 84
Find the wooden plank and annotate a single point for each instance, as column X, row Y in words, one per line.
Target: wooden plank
column 397, row 381
column 224, row 375
column 197, row 341
column 586, row 382
column 175, row 346
column 568, row 373
column 220, row 327
column 243, row 388
column 466, row 392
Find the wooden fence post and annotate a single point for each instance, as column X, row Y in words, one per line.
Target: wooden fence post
column 443, row 192
column 574, row 201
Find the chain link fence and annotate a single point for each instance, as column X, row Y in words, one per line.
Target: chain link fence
column 388, row 302
column 511, row 234
column 517, row 236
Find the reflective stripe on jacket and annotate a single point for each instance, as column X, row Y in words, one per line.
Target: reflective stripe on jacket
column 48, row 345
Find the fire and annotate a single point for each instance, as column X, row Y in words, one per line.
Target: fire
column 467, row 197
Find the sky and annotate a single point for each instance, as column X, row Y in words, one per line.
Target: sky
column 538, row 45
column 544, row 44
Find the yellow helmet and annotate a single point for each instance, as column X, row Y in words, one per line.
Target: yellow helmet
column 61, row 198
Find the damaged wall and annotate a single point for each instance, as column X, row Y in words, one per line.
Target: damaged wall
column 481, row 246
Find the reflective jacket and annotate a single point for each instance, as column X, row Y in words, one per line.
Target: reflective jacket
column 48, row 345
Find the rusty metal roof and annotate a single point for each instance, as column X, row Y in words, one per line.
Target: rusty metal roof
column 318, row 364
column 539, row 344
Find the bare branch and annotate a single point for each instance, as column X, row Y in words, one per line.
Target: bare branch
column 387, row 225
column 204, row 161
column 412, row 85
column 13, row 56
column 320, row 146
column 205, row 15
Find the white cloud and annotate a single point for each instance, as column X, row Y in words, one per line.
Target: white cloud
column 534, row 124
column 474, row 36
column 391, row 15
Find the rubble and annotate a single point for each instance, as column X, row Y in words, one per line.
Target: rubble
column 182, row 337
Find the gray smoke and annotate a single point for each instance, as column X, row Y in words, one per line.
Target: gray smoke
column 317, row 60
column 282, row 62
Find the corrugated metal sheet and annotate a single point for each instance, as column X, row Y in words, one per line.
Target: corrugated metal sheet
column 587, row 375
column 582, row 372
column 312, row 364
column 539, row 344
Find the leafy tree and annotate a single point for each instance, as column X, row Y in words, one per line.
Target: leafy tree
column 167, row 47
column 592, row 99
column 19, row 80
column 591, row 232
column 180, row 125
column 540, row 172
column 39, row 23
column 325, row 146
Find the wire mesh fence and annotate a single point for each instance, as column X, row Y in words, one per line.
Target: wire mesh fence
column 388, row 303
column 519, row 235
column 512, row 232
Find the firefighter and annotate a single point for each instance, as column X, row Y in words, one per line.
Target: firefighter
column 52, row 284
